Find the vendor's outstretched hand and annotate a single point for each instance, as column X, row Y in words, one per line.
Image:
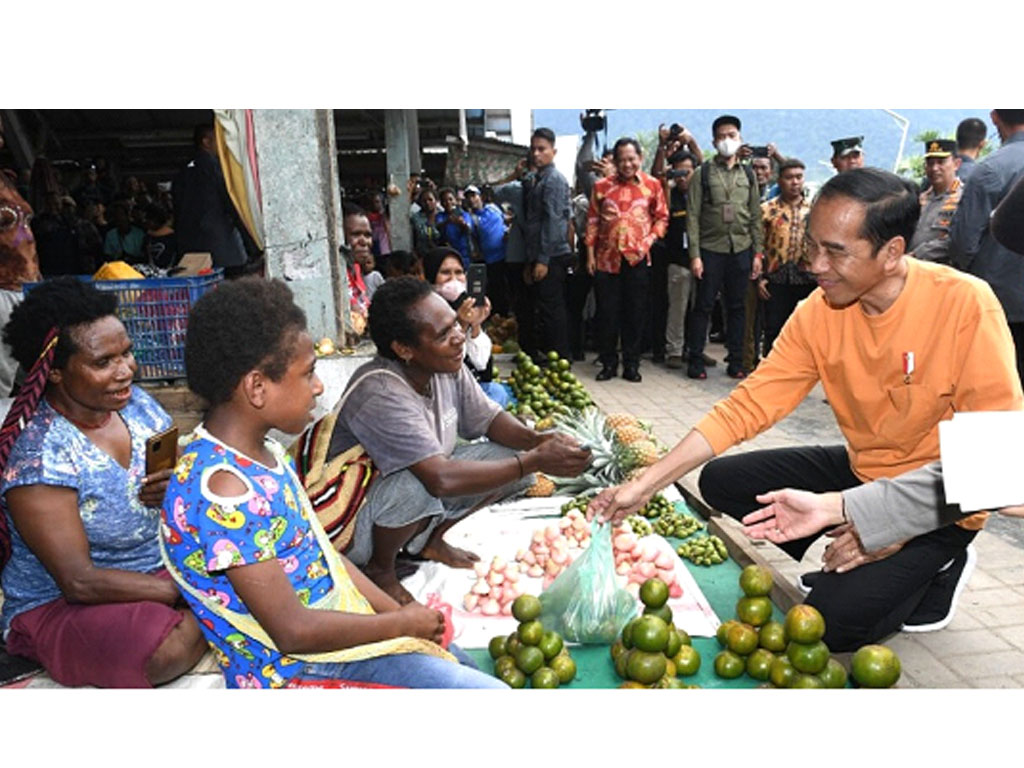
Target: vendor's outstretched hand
column 421, row 621
column 616, row 503
column 846, row 552
column 558, row 454
column 792, row 514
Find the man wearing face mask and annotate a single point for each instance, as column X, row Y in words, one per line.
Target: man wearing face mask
column 726, row 243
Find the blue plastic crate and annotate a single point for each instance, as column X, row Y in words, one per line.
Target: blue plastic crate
column 155, row 314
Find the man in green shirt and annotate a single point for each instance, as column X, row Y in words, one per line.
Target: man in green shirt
column 726, row 243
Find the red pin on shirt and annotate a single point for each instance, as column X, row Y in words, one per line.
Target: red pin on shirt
column 908, row 366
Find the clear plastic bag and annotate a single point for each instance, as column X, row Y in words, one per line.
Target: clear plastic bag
column 585, row 603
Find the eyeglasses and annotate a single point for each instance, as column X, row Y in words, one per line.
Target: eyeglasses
column 12, row 215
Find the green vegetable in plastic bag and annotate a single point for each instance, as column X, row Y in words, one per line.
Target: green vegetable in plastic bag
column 585, row 603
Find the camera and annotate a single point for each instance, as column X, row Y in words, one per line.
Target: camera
column 682, row 173
column 759, row 151
column 593, row 120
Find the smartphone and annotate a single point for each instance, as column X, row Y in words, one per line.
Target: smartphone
column 162, row 450
column 759, row 151
column 476, row 283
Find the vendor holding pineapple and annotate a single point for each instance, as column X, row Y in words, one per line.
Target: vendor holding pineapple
column 406, row 408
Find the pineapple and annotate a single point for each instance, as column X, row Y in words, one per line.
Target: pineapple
column 627, row 434
column 642, row 453
column 616, row 420
column 542, row 486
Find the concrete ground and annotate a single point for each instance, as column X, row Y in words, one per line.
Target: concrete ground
column 983, row 647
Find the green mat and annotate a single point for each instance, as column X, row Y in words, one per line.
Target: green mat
column 720, row 585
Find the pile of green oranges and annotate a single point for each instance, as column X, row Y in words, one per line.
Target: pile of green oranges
column 652, row 652
column 543, row 392
column 791, row 654
column 531, row 653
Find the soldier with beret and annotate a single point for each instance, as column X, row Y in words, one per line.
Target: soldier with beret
column 848, row 153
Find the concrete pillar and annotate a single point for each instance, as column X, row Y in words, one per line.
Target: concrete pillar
column 400, row 163
column 413, row 122
column 302, row 212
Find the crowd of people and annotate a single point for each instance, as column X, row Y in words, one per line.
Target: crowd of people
column 85, row 214
column 290, row 567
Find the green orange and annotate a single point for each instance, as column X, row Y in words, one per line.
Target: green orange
column 804, row 624
column 809, row 658
column 645, row 667
column 650, row 633
column 756, row 581
column 875, row 666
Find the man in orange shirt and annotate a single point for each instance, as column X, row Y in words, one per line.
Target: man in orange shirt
column 627, row 214
column 898, row 346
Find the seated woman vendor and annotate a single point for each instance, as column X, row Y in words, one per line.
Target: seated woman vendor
column 407, row 407
column 84, row 591
column 279, row 605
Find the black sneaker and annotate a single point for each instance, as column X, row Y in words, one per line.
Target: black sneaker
column 938, row 605
column 805, row 583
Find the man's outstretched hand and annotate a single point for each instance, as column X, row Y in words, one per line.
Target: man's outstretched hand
column 791, row 514
column 616, row 503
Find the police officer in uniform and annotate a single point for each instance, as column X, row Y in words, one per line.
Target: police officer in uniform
column 938, row 202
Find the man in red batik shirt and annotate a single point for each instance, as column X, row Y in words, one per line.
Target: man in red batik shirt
column 627, row 214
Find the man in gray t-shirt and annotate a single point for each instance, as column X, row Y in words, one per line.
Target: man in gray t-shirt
column 427, row 481
column 398, row 427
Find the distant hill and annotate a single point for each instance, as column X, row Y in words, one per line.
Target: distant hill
column 803, row 133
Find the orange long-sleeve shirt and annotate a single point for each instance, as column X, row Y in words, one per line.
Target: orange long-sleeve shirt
column 963, row 360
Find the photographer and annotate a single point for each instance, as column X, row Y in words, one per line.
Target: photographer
column 673, row 253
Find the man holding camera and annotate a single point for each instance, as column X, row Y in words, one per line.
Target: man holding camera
column 723, row 224
column 670, row 274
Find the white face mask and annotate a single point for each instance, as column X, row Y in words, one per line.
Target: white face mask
column 451, row 290
column 728, row 147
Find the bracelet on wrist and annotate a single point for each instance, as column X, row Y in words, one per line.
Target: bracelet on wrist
column 520, row 462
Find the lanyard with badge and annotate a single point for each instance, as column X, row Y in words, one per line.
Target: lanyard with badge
column 728, row 211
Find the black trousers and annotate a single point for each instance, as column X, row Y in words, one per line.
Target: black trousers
column 622, row 301
column 577, row 290
column 498, row 288
column 658, row 299
column 551, row 330
column 779, row 307
column 729, row 272
column 860, row 606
